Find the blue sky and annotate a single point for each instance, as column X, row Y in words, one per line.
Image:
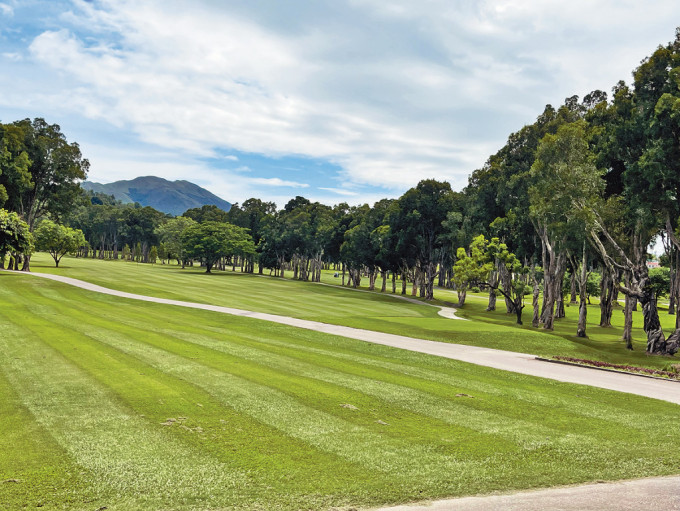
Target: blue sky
column 338, row 101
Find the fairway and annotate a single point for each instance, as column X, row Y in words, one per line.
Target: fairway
column 368, row 310
column 132, row 405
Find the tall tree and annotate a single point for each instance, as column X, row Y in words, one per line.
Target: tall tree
column 564, row 174
column 56, row 169
column 422, row 211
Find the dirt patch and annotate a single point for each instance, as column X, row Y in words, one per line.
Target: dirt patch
column 349, row 406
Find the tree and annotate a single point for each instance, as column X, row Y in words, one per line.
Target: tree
column 566, row 182
column 515, row 288
column 153, row 255
column 162, row 252
column 473, row 268
column 14, row 162
column 207, row 213
column 56, row 169
column 139, row 226
column 58, row 240
column 172, row 233
column 210, row 241
column 15, row 236
column 422, row 211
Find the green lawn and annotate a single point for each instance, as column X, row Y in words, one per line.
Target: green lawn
column 373, row 311
column 128, row 405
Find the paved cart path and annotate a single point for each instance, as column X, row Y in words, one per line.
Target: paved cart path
column 498, row 359
column 653, row 494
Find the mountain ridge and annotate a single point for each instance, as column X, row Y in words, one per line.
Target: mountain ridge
column 172, row 197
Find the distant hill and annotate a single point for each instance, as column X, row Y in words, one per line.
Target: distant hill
column 173, row 197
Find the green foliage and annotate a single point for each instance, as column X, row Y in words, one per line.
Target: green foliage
column 57, row 239
column 153, row 255
column 126, row 253
column 567, row 183
column 472, row 269
column 171, row 233
column 162, row 252
column 211, row 241
column 660, row 281
column 15, row 236
column 40, row 170
column 207, row 213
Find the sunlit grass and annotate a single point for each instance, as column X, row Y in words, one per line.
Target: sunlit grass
column 133, row 405
column 372, row 311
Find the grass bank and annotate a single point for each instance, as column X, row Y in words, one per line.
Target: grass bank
column 372, row 311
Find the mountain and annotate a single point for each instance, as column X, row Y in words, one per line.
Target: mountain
column 173, row 197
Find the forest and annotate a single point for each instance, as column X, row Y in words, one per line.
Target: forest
column 567, row 208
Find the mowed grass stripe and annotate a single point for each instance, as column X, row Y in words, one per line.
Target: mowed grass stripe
column 363, row 358
column 550, row 463
column 248, row 291
column 127, row 456
column 305, row 409
column 204, row 422
column 403, row 402
column 40, row 474
column 555, row 442
column 453, row 378
column 372, row 311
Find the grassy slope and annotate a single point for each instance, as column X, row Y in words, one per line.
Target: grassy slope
column 364, row 310
column 132, row 405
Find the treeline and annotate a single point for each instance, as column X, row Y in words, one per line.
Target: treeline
column 587, row 186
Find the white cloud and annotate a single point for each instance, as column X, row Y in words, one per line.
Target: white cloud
column 392, row 94
column 275, row 181
column 6, row 10
column 340, row 191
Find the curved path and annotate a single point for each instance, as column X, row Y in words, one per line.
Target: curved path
column 505, row 360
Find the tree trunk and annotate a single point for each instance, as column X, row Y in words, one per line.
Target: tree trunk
column 582, row 285
column 607, row 298
column 461, row 297
column 628, row 323
column 383, row 287
column 506, row 282
column 559, row 306
column 404, row 278
column 535, row 321
column 493, row 283
column 572, row 300
column 518, row 311
column 394, row 283
column 656, row 341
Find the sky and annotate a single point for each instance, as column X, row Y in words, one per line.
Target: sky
column 338, row 101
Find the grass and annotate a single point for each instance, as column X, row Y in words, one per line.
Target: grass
column 129, row 405
column 372, row 311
